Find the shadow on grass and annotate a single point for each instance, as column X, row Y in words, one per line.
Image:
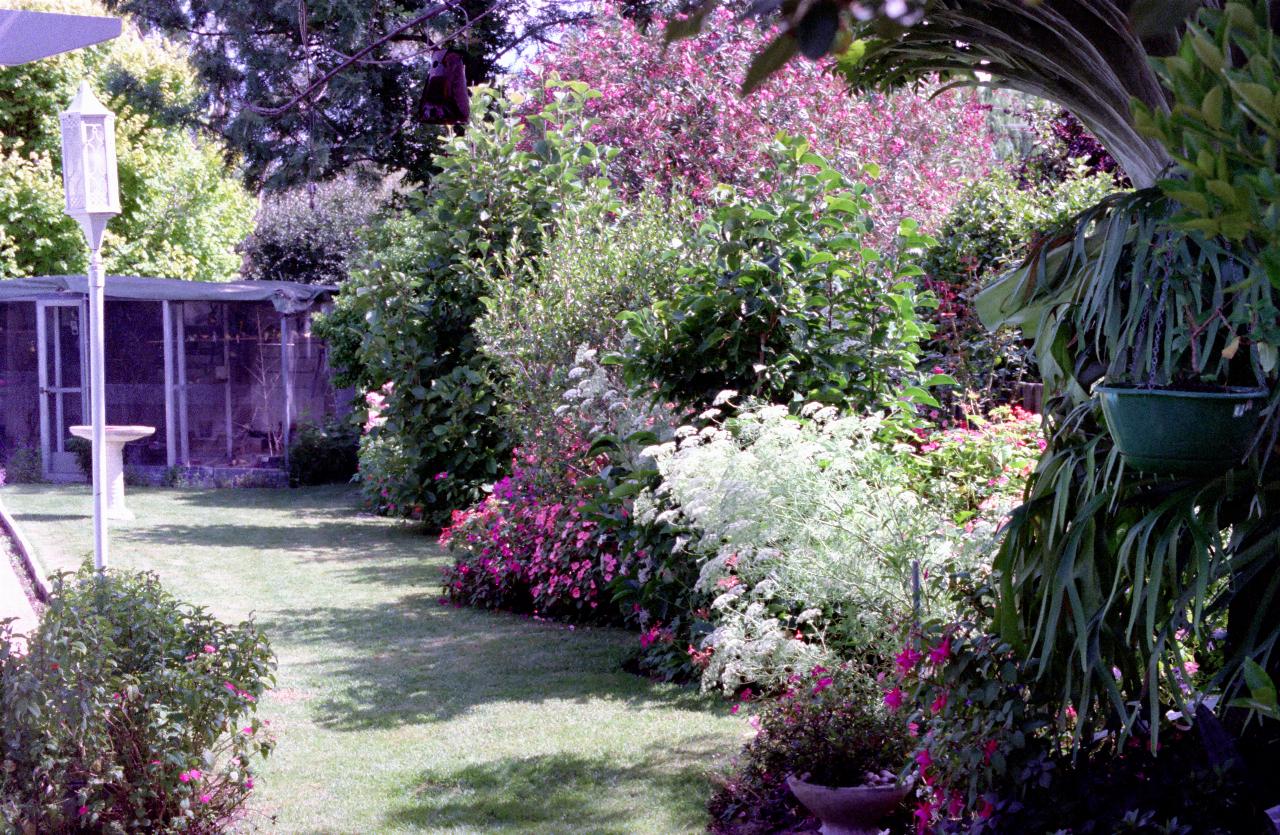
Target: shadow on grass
column 563, row 792
column 401, row 557
column 414, row 660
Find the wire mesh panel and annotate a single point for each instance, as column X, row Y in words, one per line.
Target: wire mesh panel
column 134, row 363
column 19, row 383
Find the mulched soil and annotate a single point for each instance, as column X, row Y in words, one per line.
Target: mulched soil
column 20, row 569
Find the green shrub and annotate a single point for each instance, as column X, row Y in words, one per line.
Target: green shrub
column 24, row 466
column 409, row 312
column 129, row 712
column 324, row 454
column 82, row 449
column 309, row 234
column 991, row 229
column 602, row 258
column 790, row 305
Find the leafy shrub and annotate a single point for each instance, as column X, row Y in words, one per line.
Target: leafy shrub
column 407, row 315
column 827, row 727
column 130, row 711
column 24, row 466
column 993, row 226
column 324, row 454
column 807, row 529
column 82, row 449
column 309, row 234
column 791, row 305
column 602, row 258
column 676, row 113
column 973, row 471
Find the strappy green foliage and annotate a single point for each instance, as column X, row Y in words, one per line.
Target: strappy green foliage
column 1103, row 568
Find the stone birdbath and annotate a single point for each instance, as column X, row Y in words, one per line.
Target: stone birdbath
column 117, row 437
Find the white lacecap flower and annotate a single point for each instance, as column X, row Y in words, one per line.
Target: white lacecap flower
column 724, row 397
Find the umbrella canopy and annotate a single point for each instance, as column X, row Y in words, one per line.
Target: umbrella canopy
column 27, row 36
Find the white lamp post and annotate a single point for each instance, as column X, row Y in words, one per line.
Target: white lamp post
column 93, row 198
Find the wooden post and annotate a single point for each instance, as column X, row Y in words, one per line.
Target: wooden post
column 170, row 428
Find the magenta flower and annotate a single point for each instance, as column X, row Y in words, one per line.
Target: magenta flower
column 893, row 698
column 907, row 660
column 940, row 654
column 82, row 811
column 210, row 649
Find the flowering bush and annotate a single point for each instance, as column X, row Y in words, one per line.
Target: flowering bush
column 807, row 529
column 529, row 549
column 676, row 114
column 542, row 541
column 979, row 470
column 827, row 727
column 129, row 711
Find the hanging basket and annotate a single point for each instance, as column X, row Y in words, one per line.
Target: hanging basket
column 1180, row 432
column 445, row 98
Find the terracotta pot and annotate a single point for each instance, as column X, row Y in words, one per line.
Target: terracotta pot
column 851, row 810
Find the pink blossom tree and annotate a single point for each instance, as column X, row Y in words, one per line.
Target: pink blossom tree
column 676, row 114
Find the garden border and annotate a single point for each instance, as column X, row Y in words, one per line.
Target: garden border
column 35, row 569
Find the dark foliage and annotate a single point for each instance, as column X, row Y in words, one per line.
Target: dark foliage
column 255, row 55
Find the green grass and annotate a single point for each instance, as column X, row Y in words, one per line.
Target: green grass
column 395, row 713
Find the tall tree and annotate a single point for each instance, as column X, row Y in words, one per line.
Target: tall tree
column 311, row 89
column 184, row 209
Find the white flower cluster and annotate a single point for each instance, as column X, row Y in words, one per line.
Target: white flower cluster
column 808, row 512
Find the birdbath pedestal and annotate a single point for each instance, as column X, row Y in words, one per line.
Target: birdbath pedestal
column 117, row 437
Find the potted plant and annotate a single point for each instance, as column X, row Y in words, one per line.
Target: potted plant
column 829, row 742
column 1187, row 394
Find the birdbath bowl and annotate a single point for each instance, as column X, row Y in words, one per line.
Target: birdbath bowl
column 117, row 437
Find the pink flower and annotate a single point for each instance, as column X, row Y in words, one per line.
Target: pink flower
column 1191, row 668
column 185, row 777
column 204, row 798
column 210, row 649
column 893, row 698
column 823, row 684
column 923, row 758
column 82, row 811
column 940, row 703
column 907, row 660
column 248, row 783
column 941, row 653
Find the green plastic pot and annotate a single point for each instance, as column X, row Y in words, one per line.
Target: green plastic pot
column 1184, row 433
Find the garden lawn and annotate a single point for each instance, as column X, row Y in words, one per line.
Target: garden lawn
column 395, row 713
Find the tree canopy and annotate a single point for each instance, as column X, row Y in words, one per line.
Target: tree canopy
column 183, row 209
column 258, row 61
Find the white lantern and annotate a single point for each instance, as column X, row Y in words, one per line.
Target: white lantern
column 89, row 164
column 93, row 198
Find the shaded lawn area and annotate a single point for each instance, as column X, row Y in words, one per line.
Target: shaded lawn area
column 395, row 713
